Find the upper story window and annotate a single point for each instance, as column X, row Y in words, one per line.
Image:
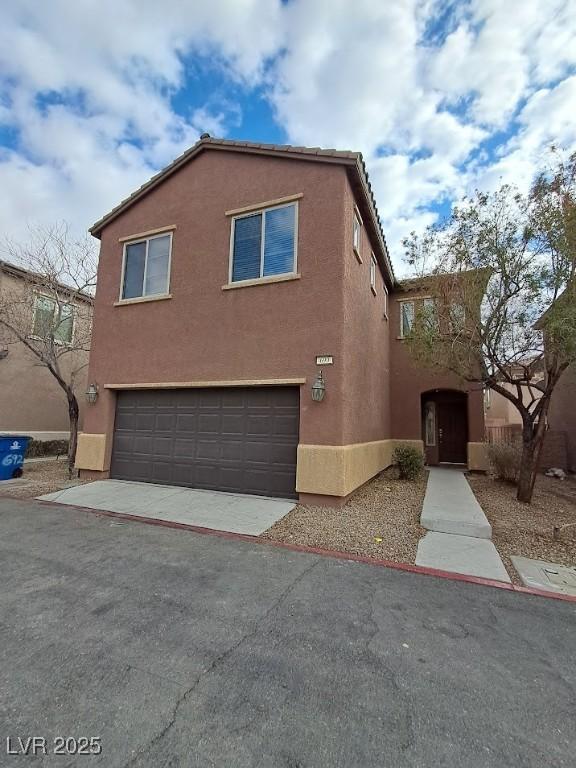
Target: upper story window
column 356, row 232
column 373, row 267
column 457, row 315
column 430, row 313
column 385, row 292
column 146, row 267
column 263, row 243
column 406, row 317
column 53, row 320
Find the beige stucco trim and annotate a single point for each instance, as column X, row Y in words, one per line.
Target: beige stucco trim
column 91, row 452
column 267, row 204
column 337, row 470
column 261, row 281
column 202, row 384
column 478, row 457
column 143, row 299
column 148, row 232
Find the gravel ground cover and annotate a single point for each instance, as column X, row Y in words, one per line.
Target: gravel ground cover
column 381, row 520
column 526, row 529
column 39, row 477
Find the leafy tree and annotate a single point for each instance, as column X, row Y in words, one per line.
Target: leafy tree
column 502, row 268
column 48, row 309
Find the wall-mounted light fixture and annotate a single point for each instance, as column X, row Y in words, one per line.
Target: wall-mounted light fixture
column 92, row 393
column 318, row 388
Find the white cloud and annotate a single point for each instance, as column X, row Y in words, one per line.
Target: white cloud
column 87, row 89
column 368, row 77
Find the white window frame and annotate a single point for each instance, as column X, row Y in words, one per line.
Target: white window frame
column 263, row 278
column 146, row 240
column 401, row 302
column 373, row 270
column 56, row 306
column 385, row 299
column 357, row 220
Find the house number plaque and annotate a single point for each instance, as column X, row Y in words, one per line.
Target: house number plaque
column 324, row 360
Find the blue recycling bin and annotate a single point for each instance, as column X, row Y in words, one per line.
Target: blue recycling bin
column 12, row 450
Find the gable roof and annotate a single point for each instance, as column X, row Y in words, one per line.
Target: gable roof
column 353, row 162
column 25, row 274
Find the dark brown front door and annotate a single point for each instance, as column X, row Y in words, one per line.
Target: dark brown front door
column 235, row 439
column 452, row 431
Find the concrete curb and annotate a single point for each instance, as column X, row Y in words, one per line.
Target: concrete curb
column 335, row 554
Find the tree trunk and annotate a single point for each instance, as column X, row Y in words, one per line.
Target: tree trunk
column 532, row 442
column 73, row 416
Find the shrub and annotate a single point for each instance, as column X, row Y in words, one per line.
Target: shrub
column 409, row 460
column 505, row 460
column 46, row 448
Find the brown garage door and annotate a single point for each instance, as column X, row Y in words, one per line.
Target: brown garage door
column 237, row 439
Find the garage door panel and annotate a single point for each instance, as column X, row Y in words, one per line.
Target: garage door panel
column 144, row 422
column 185, row 422
column 238, row 439
column 163, row 446
column 232, row 423
column 208, row 423
column 143, row 444
column 285, row 425
column 165, row 422
column 208, row 450
column 258, row 424
column 162, row 471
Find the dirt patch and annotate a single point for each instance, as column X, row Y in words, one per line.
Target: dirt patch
column 526, row 529
column 39, row 477
column 381, row 520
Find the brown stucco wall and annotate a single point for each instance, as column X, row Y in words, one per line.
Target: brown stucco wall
column 408, row 381
column 366, row 390
column 30, row 399
column 203, row 333
column 562, row 413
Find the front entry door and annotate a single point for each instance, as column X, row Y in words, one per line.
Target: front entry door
column 452, row 432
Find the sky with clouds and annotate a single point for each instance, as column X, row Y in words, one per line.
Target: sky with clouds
column 441, row 96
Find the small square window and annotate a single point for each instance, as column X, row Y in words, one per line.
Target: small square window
column 430, row 313
column 406, row 317
column 373, row 267
column 357, row 228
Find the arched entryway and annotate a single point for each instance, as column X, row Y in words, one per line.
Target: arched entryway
column 445, row 426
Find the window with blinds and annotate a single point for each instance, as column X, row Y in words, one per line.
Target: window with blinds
column 264, row 243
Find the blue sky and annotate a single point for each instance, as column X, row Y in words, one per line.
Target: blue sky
column 440, row 96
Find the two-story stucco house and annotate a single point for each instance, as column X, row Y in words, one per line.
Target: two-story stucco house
column 226, row 284
column 31, row 400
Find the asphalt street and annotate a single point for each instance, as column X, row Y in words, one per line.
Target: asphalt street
column 172, row 648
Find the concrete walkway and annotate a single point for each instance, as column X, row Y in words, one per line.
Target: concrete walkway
column 451, row 507
column 208, row 509
column 459, row 532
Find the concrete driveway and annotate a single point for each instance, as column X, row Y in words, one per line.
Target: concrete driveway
column 209, row 509
column 180, row 649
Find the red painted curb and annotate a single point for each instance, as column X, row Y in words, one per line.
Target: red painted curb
column 335, row 554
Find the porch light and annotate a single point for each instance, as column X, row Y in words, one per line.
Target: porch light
column 319, row 388
column 92, row 393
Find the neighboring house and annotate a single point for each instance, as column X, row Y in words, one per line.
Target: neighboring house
column 562, row 412
column 501, row 412
column 226, row 284
column 31, row 401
